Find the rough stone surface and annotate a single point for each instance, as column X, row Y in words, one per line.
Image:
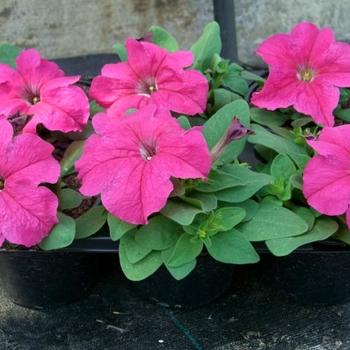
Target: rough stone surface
column 73, row 27
column 256, row 20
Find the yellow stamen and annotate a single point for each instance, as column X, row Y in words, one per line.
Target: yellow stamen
column 306, row 74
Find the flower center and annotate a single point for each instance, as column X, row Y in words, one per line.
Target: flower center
column 306, row 74
column 2, row 183
column 148, row 149
column 31, row 95
column 146, row 87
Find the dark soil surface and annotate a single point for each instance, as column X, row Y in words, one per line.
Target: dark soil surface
column 251, row 316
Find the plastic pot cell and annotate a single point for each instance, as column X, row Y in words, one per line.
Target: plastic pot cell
column 208, row 281
column 314, row 278
column 41, row 280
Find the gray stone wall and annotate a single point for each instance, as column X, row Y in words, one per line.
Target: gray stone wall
column 257, row 19
column 61, row 28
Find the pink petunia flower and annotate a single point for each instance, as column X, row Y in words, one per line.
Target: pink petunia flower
column 130, row 161
column 38, row 88
column 307, row 67
column 151, row 75
column 326, row 180
column 28, row 211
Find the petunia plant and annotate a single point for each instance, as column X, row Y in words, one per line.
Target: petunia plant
column 158, row 155
column 300, row 132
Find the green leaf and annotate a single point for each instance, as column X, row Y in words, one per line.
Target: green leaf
column 8, row 54
column 223, row 219
column 143, row 268
column 62, row 234
column 163, row 38
column 69, row 199
column 323, row 229
column 180, row 212
column 250, row 206
column 222, row 97
column 186, row 250
column 279, row 144
column 182, row 271
column 206, row 46
column 219, row 180
column 268, row 118
column 120, row 51
column 343, row 114
column 72, row 153
column 306, row 214
column 216, row 127
column 179, row 272
column 272, row 221
column 204, row 201
column 117, row 227
column 282, row 167
column 343, row 233
column 90, row 222
column 233, row 80
column 231, row 247
column 183, row 120
column 134, row 251
column 160, row 233
column 253, row 183
column 251, row 76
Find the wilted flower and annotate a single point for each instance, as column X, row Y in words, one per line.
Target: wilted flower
column 28, row 211
column 38, row 89
column 151, row 75
column 307, row 67
column 130, row 161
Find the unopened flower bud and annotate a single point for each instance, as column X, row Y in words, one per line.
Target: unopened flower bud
column 234, row 132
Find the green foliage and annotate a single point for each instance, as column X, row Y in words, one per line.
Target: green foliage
column 280, row 145
column 163, row 38
column 220, row 220
column 187, row 248
column 71, row 155
column 273, row 221
column 90, row 222
column 323, row 229
column 69, row 199
column 206, row 46
column 216, row 127
column 120, row 51
column 219, row 180
column 62, row 234
column 117, row 228
column 282, row 169
column 143, row 268
column 159, row 234
column 232, row 247
column 8, row 54
column 252, row 183
column 134, row 251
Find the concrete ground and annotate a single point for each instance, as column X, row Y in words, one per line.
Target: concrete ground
column 252, row 315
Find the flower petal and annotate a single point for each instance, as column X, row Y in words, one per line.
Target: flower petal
column 36, row 70
column 28, row 213
column 326, row 185
column 279, row 91
column 65, row 109
column 318, row 101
